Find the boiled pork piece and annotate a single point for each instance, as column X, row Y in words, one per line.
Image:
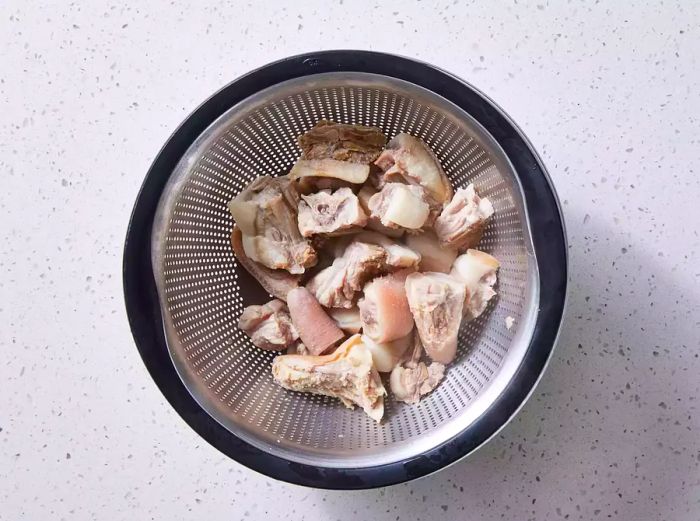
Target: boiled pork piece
column 269, row 326
column 387, row 354
column 347, row 319
column 338, row 285
column 384, row 309
column 330, row 213
column 397, row 255
column 354, row 173
column 433, row 256
column 276, row 282
column 436, row 301
column 461, row 224
column 266, row 213
column 374, row 223
column 316, row 329
column 400, row 206
column 347, row 374
column 478, row 271
column 353, row 143
column 408, row 158
column 411, row 378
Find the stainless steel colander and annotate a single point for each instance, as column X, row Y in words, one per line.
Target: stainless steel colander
column 185, row 290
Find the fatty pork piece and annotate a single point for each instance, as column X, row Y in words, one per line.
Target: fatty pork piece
column 327, row 213
column 317, row 330
column 433, row 256
column 354, row 173
column 269, row 326
column 411, row 378
column 387, row 354
column 347, row 374
column 478, row 271
column 400, row 206
column 353, row 143
column 337, row 286
column 461, row 224
column 408, row 158
column 374, row 223
column 436, row 301
column 397, row 255
column 384, row 309
column 266, row 213
column 347, row 319
column 276, row 282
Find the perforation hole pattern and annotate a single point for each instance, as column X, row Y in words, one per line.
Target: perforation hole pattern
column 205, row 290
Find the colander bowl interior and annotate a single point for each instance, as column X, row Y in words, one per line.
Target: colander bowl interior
column 198, row 290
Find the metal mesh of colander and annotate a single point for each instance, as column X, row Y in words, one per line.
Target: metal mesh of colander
column 203, row 290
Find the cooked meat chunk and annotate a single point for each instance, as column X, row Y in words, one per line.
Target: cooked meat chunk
column 400, row 206
column 330, row 213
column 384, row 308
column 354, row 173
column 347, row 374
column 354, row 143
column 411, row 378
column 409, row 159
column 266, row 213
column 397, row 255
column 337, row 286
column 374, row 223
column 276, row 282
column 316, row 329
column 297, row 348
column 478, row 271
column 436, row 301
column 387, row 354
column 461, row 224
column 434, row 257
column 347, row 319
column 269, row 326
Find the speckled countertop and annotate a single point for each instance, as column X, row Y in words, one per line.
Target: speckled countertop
column 610, row 97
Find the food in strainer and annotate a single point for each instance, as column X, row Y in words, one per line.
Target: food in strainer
column 347, row 374
column 386, row 228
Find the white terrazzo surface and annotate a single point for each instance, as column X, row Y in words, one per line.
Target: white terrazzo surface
column 610, row 97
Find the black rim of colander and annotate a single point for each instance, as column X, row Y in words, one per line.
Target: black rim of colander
column 548, row 237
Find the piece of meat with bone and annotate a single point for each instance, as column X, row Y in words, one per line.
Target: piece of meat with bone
column 276, row 282
column 411, row 378
column 433, row 256
column 397, row 255
column 478, row 270
column 387, row 354
column 269, row 326
column 338, row 285
column 347, row 374
column 373, row 222
column 436, row 301
column 330, row 213
column 316, row 329
column 409, row 159
column 384, row 309
column 400, row 206
column 461, row 224
column 342, row 142
column 266, row 213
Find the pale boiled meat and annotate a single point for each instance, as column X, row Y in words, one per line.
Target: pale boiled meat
column 410, row 379
column 433, row 256
column 316, row 329
column 374, row 223
column 266, row 213
column 478, row 270
column 338, row 285
column 409, row 159
column 347, row 374
column 347, row 319
column 269, row 326
column 330, row 213
column 354, row 173
column 397, row 255
column 384, row 308
column 436, row 301
column 400, row 206
column 387, row 354
column 461, row 224
column 276, row 282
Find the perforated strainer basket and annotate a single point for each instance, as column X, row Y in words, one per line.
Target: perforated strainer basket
column 185, row 291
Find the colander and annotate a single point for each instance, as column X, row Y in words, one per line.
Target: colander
column 185, row 291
